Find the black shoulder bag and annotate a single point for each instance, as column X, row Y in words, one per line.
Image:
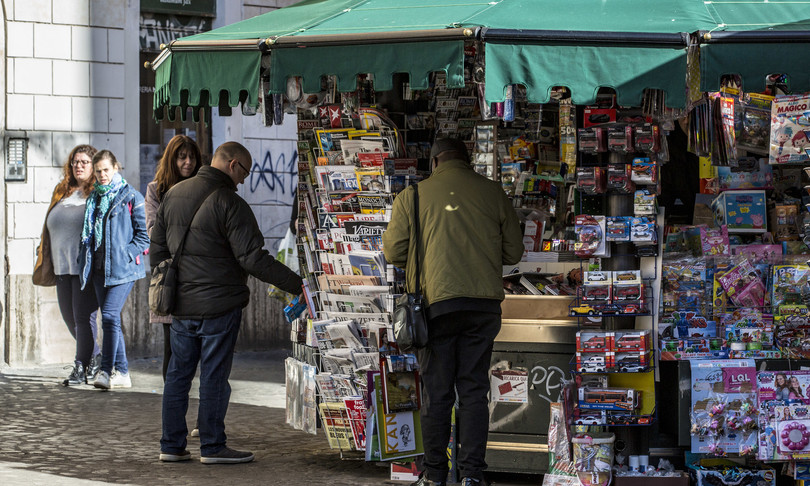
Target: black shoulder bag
column 163, row 282
column 410, row 320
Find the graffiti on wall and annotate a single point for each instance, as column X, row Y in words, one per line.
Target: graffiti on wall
column 270, row 189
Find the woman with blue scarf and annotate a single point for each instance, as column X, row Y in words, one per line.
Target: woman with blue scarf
column 111, row 259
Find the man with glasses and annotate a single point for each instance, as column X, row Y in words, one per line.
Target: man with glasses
column 223, row 245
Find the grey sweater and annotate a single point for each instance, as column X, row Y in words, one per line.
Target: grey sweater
column 65, row 222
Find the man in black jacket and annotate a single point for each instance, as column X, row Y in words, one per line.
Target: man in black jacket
column 224, row 245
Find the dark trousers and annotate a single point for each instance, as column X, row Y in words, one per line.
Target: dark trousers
column 211, row 343
column 456, row 361
column 78, row 308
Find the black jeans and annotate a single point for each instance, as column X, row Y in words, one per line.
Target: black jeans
column 456, row 361
column 78, row 308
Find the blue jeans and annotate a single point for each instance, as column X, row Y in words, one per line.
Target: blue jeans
column 209, row 342
column 78, row 308
column 111, row 301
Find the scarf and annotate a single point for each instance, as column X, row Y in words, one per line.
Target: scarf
column 97, row 206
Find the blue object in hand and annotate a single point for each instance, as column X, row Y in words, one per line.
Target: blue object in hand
column 295, row 308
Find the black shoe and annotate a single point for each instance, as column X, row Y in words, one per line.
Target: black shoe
column 77, row 376
column 93, row 367
column 227, row 456
column 424, row 481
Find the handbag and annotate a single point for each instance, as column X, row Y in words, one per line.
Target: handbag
column 44, row 275
column 410, row 318
column 163, row 282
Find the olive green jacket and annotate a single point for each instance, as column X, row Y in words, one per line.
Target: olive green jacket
column 469, row 230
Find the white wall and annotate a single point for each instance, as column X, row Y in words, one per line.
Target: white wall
column 71, row 79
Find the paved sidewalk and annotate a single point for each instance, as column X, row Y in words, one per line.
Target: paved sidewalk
column 53, row 435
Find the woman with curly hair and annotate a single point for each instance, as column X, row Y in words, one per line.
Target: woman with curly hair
column 57, row 261
column 181, row 160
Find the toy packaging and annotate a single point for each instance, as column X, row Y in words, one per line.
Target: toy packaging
column 790, row 285
column 743, row 285
column 782, row 397
column 590, row 232
column 644, row 203
column 759, row 253
column 643, row 230
column 790, row 129
column 723, row 391
column 645, row 171
column 620, row 139
column 592, row 140
column 618, row 228
column 647, row 138
column 756, row 123
column 785, row 221
column 759, row 177
column 714, row 241
column 591, row 180
column 593, row 458
column 741, row 211
column 619, row 178
column 638, row 341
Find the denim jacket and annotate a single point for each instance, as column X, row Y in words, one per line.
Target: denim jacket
column 125, row 241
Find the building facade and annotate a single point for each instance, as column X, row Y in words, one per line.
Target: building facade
column 74, row 74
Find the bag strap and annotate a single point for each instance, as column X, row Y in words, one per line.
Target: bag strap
column 416, row 231
column 176, row 256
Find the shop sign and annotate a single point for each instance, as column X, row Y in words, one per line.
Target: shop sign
column 157, row 29
column 206, row 8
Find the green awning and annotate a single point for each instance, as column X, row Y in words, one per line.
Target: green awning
column 418, row 59
column 207, row 79
column 628, row 45
column 628, row 70
column 754, row 39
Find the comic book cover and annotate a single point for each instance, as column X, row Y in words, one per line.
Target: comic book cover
column 790, row 129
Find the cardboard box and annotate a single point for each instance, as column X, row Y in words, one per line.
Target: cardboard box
column 741, row 211
column 785, row 222
column 682, row 480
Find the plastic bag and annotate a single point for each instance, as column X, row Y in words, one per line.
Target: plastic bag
column 288, row 255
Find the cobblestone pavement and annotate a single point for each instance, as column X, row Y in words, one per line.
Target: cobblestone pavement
column 52, row 435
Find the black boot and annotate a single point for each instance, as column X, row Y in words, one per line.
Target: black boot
column 93, row 367
column 77, row 376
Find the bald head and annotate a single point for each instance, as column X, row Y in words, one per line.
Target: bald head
column 448, row 149
column 233, row 159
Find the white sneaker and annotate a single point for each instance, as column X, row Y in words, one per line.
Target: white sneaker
column 120, row 380
column 102, row 380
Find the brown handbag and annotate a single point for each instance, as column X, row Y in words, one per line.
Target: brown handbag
column 44, row 275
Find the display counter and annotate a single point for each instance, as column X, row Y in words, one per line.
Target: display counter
column 531, row 355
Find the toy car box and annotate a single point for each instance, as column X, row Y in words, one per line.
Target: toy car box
column 636, row 340
column 597, row 278
column 594, row 341
column 741, row 211
column 593, row 362
column 618, row 399
column 628, row 362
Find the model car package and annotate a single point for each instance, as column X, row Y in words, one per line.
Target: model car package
column 591, row 180
column 592, row 140
column 619, row 178
column 590, row 231
column 643, row 230
column 620, row 139
column 645, row 203
column 790, row 130
column 645, row 171
column 618, row 228
column 647, row 138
